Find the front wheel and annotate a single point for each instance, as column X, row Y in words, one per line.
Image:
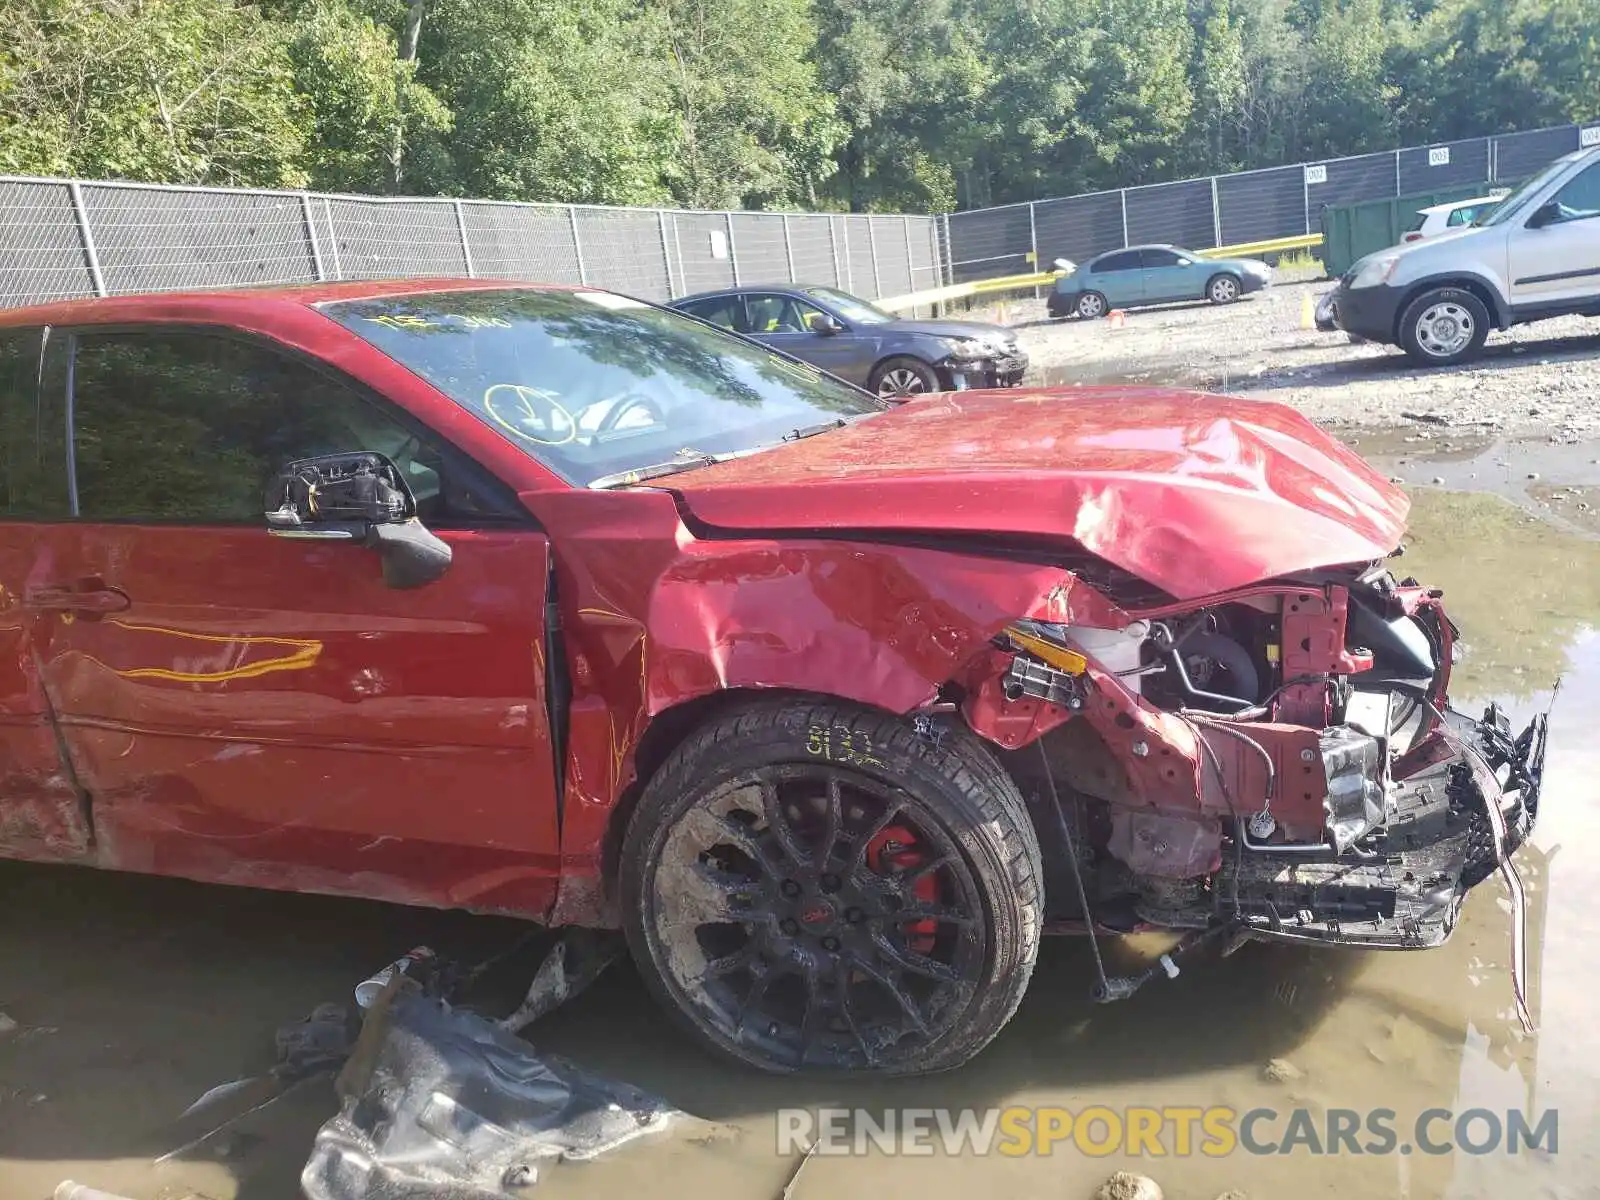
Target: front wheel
column 1222, row 289
column 1092, row 306
column 1443, row 327
column 813, row 886
column 899, row 378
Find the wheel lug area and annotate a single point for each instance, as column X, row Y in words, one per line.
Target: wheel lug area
column 789, row 927
column 854, row 916
column 831, row 945
column 829, row 883
column 789, row 888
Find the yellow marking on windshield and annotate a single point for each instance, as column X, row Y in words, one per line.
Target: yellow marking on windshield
column 520, row 405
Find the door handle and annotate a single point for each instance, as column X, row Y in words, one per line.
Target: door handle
column 91, row 599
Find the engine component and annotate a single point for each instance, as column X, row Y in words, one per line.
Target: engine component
column 1166, row 845
column 1029, row 677
column 1354, row 764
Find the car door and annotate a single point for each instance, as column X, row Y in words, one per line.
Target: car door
column 42, row 814
column 1167, row 276
column 1119, row 278
column 1558, row 262
column 260, row 710
column 784, row 322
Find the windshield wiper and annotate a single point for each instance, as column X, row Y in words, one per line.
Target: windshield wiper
column 684, row 460
column 805, row 431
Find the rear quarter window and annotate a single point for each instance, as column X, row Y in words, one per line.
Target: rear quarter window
column 33, row 451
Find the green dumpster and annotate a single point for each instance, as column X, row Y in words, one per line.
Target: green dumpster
column 1352, row 231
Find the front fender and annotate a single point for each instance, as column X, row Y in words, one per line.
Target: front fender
column 655, row 618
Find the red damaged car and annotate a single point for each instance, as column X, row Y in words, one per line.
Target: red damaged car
column 550, row 602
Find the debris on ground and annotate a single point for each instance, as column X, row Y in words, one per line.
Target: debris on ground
column 439, row 1102
column 7, row 1025
column 1233, row 1194
column 574, row 962
column 1281, row 1070
column 1125, row 1185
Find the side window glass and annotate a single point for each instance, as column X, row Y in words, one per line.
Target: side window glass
column 800, row 314
column 1580, row 198
column 773, row 314
column 724, row 312
column 1461, row 216
column 33, row 425
column 192, row 426
column 1160, row 258
column 1127, row 260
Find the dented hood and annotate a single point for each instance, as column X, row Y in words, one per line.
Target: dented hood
column 1191, row 492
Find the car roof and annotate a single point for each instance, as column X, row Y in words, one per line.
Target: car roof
column 745, row 289
column 1143, row 246
column 220, row 302
column 1455, row 204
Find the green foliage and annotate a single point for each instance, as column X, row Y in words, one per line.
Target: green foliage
column 869, row 105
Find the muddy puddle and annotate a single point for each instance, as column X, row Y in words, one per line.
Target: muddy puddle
column 136, row 995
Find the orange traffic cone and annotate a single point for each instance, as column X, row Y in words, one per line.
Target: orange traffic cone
column 1116, row 316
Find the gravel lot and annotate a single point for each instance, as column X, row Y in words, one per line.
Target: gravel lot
column 1538, row 379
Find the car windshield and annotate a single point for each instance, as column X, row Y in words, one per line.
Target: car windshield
column 851, row 308
column 596, row 385
column 1508, row 207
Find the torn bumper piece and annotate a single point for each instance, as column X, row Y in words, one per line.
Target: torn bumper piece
column 1461, row 803
column 440, row 1104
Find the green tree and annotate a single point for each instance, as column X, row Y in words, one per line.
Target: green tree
column 755, row 127
column 190, row 91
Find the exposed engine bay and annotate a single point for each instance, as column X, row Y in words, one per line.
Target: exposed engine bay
column 1280, row 761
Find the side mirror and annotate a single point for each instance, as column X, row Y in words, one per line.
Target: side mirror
column 825, row 325
column 359, row 498
column 1547, row 213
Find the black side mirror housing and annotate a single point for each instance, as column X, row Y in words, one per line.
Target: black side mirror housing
column 363, row 498
column 825, row 325
column 1547, row 213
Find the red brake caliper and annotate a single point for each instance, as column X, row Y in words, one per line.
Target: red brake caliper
column 896, row 849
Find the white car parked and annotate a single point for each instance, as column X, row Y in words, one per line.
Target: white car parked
column 1442, row 218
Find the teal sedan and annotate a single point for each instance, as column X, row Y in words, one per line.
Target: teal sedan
column 1140, row 275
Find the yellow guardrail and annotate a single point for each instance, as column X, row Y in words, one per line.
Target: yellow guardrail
column 1018, row 283
column 1303, row 241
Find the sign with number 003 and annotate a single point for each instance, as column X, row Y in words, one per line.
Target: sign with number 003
column 1589, row 136
column 1439, row 156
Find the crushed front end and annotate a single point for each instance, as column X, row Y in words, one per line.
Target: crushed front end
column 1279, row 761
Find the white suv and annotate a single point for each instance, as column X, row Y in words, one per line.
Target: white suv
column 1536, row 255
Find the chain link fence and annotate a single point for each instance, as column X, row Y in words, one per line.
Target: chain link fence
column 1230, row 210
column 64, row 239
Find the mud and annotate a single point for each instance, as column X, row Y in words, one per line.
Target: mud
column 133, row 996
column 1534, row 379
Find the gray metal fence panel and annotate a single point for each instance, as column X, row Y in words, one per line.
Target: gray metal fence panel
column 893, row 251
column 863, row 280
column 703, row 251
column 1261, row 205
column 927, row 253
column 1518, row 155
column 154, row 239
column 1463, row 162
column 1352, row 180
column 41, row 249
column 811, row 238
column 989, row 242
column 516, row 241
column 1179, row 213
column 758, row 241
column 622, row 251
column 381, row 239
column 1078, row 227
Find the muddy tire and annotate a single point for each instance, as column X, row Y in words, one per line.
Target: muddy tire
column 1091, row 306
column 814, row 886
column 899, row 378
column 1443, row 327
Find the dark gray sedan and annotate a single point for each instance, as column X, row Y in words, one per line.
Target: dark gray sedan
column 848, row 337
